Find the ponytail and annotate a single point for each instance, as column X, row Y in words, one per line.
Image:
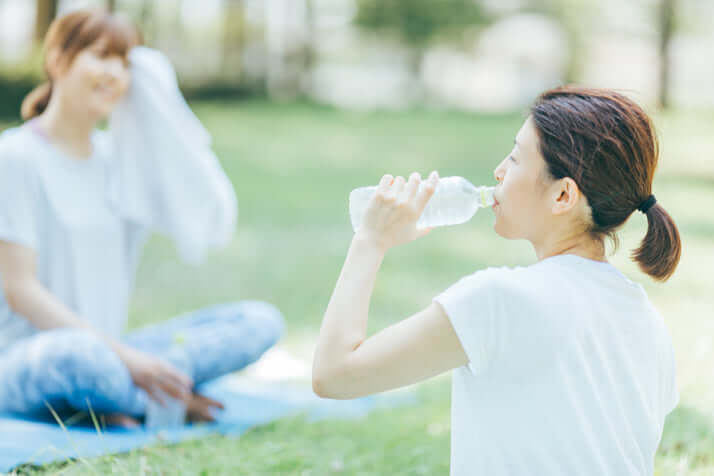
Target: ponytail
column 661, row 248
column 608, row 145
column 36, row 101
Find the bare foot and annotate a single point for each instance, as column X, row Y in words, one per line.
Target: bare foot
column 122, row 421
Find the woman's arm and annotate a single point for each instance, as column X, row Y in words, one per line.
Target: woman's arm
column 346, row 363
column 28, row 297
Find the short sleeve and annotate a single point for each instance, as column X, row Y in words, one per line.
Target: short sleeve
column 18, row 197
column 500, row 322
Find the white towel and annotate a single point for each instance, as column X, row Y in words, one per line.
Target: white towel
column 166, row 176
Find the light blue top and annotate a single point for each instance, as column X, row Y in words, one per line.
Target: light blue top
column 86, row 253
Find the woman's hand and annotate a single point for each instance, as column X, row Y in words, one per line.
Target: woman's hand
column 202, row 408
column 198, row 408
column 391, row 216
column 154, row 375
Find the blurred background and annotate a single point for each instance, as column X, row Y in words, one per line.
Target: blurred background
column 475, row 55
column 308, row 99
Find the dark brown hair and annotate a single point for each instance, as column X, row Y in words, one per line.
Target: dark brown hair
column 72, row 33
column 607, row 144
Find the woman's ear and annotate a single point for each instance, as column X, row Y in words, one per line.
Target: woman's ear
column 53, row 63
column 566, row 195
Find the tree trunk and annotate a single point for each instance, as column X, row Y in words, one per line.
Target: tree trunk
column 233, row 38
column 310, row 55
column 112, row 5
column 666, row 27
column 45, row 13
column 147, row 22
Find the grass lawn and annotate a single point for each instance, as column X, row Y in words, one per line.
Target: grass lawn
column 293, row 167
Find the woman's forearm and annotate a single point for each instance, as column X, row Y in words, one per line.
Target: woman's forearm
column 30, row 299
column 344, row 325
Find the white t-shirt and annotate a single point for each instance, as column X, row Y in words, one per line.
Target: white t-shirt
column 57, row 205
column 571, row 371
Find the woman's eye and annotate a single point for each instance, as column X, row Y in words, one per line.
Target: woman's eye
column 510, row 157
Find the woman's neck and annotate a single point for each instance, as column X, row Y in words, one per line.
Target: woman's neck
column 68, row 129
column 579, row 244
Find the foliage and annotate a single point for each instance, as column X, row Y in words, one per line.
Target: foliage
column 418, row 22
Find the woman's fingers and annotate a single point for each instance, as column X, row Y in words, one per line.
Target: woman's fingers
column 201, row 407
column 422, row 232
column 384, row 184
column 425, row 192
column 412, row 186
column 172, row 382
column 396, row 189
column 198, row 412
column 156, row 394
column 208, row 401
column 179, row 377
column 392, row 214
column 173, row 390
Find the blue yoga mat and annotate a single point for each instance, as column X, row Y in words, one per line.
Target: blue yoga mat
column 248, row 404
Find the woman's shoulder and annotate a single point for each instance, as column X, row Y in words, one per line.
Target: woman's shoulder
column 530, row 284
column 17, row 149
column 12, row 139
column 502, row 281
column 503, row 276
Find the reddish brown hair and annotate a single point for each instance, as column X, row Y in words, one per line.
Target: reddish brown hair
column 607, row 144
column 72, row 33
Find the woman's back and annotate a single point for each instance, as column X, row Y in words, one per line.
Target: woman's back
column 571, row 371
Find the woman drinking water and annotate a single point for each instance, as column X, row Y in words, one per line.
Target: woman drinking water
column 562, row 367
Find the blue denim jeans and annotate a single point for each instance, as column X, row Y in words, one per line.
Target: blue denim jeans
column 72, row 369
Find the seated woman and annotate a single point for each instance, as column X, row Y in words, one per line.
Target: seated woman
column 68, row 250
column 562, row 367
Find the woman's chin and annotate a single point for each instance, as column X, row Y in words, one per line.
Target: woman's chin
column 503, row 231
column 497, row 229
column 101, row 111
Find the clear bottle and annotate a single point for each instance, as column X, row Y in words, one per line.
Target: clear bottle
column 172, row 413
column 455, row 201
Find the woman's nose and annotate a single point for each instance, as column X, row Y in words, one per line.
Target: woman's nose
column 115, row 69
column 498, row 173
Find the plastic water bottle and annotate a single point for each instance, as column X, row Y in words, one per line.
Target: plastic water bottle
column 172, row 413
column 455, row 201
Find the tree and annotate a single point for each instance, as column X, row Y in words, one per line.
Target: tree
column 233, row 36
column 46, row 11
column 666, row 28
column 419, row 22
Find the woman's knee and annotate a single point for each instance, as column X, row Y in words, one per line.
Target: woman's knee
column 264, row 319
column 92, row 368
column 64, row 366
column 71, row 349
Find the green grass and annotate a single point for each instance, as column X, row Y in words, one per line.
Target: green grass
column 293, row 167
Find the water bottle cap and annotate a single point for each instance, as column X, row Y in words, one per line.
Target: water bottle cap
column 486, row 196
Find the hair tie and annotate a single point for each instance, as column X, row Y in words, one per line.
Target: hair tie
column 647, row 204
